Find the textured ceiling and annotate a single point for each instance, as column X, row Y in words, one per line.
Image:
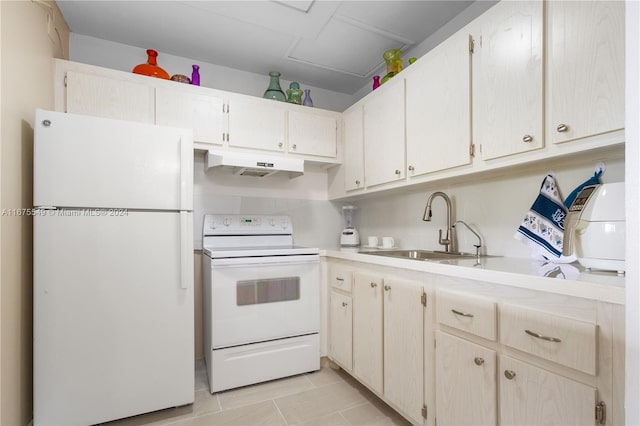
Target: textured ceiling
column 334, row 45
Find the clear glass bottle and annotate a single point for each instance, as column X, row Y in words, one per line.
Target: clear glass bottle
column 151, row 68
column 274, row 91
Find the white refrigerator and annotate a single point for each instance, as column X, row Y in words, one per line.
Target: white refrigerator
column 113, row 269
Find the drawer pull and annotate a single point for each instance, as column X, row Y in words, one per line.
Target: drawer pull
column 562, row 128
column 462, row 314
column 374, row 285
column 478, row 360
column 339, row 279
column 540, row 336
column 509, row 374
column 387, row 287
column 345, row 304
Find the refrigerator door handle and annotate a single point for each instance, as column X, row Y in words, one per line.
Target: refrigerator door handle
column 186, row 173
column 186, row 248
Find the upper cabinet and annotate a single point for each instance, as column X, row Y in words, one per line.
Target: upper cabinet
column 219, row 118
column 204, row 114
column 438, row 102
column 106, row 97
column 256, row 123
column 384, row 141
column 586, row 68
column 508, row 79
column 353, row 137
column 313, row 133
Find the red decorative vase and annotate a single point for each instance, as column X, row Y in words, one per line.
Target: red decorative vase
column 151, row 68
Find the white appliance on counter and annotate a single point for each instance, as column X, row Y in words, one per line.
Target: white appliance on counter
column 597, row 221
column 261, row 301
column 113, row 269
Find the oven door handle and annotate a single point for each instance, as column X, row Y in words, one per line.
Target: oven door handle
column 265, row 260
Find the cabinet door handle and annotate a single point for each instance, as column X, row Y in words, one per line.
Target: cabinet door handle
column 411, row 168
column 562, row 128
column 478, row 360
column 509, row 374
column 527, row 138
column 345, row 304
column 357, row 182
column 294, row 146
column 398, row 172
column 540, row 336
column 373, row 285
column 462, row 314
column 280, row 145
column 339, row 279
column 387, row 287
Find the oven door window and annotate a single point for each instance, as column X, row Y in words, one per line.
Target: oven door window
column 271, row 290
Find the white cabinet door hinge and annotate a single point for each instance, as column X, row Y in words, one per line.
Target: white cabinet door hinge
column 423, row 299
column 424, row 411
column 472, row 150
column 471, row 44
column 601, row 413
column 65, row 80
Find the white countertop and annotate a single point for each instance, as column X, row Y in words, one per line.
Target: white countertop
column 515, row 272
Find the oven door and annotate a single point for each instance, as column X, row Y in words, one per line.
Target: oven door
column 258, row 299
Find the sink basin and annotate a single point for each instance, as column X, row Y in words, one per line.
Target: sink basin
column 423, row 254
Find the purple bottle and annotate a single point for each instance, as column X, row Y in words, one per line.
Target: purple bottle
column 307, row 98
column 376, row 82
column 195, row 75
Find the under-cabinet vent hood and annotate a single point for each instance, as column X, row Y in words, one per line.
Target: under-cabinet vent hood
column 253, row 164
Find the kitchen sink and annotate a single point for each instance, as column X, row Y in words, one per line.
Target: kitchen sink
column 424, row 254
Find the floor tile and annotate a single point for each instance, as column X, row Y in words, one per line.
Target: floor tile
column 319, row 402
column 261, row 414
column 373, row 414
column 333, row 419
column 324, row 376
column 263, row 391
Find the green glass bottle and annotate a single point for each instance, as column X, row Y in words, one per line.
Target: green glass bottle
column 294, row 93
column 274, row 91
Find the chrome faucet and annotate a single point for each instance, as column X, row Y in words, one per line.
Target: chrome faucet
column 448, row 241
column 477, row 246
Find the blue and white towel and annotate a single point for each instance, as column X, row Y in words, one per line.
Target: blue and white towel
column 542, row 228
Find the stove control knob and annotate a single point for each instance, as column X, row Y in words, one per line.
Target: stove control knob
column 226, row 221
column 272, row 222
column 284, row 224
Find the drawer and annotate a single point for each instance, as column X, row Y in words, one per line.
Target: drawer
column 559, row 339
column 474, row 315
column 341, row 277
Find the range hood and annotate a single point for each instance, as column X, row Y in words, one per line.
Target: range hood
column 253, row 164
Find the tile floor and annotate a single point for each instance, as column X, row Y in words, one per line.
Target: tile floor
column 324, row 398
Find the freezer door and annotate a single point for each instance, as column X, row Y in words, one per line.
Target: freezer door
column 113, row 315
column 83, row 161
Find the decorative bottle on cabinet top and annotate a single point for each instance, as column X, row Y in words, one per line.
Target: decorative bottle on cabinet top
column 151, row 68
column 294, row 93
column 195, row 75
column 274, row 91
column 307, row 98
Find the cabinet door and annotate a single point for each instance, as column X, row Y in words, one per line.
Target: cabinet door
column 107, row 97
column 532, row 396
column 353, row 148
column 201, row 113
column 341, row 323
column 403, row 347
column 439, row 107
column 367, row 330
column 313, row 134
column 384, row 135
column 256, row 124
column 586, row 79
column 508, row 107
column 465, row 382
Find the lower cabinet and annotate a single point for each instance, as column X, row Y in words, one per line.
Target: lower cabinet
column 533, row 396
column 341, row 328
column 465, row 382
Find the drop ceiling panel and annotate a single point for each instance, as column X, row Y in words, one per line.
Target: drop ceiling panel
column 345, row 48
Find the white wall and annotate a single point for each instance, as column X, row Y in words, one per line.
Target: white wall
column 95, row 51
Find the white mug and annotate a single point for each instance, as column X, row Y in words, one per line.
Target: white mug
column 388, row 242
column 373, row 241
